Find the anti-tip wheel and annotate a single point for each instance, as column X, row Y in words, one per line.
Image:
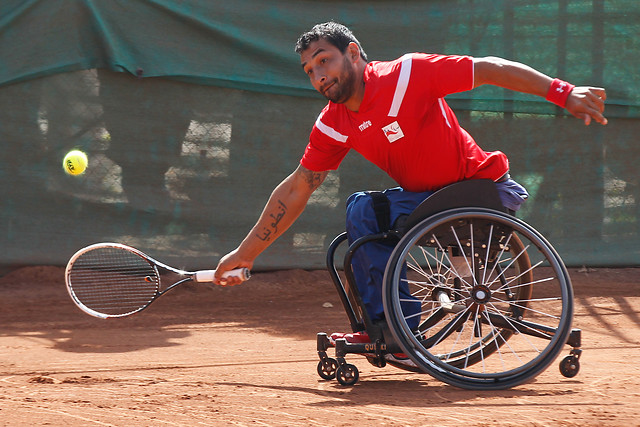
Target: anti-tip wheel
column 569, row 366
column 347, row 374
column 327, row 368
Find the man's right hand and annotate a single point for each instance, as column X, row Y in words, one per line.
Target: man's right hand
column 229, row 262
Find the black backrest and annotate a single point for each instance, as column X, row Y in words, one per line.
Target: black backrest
column 473, row 193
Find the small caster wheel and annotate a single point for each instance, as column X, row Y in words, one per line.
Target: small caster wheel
column 327, row 368
column 347, row 374
column 570, row 366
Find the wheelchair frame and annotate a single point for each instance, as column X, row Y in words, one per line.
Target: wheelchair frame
column 453, row 305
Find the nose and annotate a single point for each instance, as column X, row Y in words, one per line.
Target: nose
column 320, row 79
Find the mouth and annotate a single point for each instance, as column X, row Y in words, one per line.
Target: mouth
column 326, row 88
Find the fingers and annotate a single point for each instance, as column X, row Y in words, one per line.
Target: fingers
column 229, row 262
column 587, row 117
column 593, row 112
column 229, row 281
column 596, row 112
column 234, row 277
column 597, row 97
column 587, row 104
column 600, row 92
column 601, row 119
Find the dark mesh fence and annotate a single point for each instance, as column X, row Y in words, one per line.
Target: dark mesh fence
column 183, row 156
column 177, row 169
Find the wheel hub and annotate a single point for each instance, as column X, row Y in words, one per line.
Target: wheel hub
column 481, row 294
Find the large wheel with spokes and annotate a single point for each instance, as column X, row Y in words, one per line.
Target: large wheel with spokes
column 478, row 299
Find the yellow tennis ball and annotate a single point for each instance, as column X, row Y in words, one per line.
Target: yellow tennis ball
column 75, row 162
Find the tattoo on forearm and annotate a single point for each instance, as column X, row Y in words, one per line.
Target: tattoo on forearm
column 272, row 230
column 314, row 179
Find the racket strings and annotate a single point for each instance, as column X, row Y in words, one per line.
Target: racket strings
column 113, row 280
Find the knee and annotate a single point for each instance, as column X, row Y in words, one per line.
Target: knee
column 361, row 219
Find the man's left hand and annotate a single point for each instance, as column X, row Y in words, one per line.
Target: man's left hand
column 587, row 103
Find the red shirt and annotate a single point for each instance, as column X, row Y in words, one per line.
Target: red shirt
column 405, row 127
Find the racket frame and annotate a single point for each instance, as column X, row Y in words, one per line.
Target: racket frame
column 202, row 276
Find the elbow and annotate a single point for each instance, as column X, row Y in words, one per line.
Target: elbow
column 487, row 70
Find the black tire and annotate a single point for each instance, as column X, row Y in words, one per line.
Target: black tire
column 570, row 366
column 507, row 296
column 327, row 368
column 347, row 374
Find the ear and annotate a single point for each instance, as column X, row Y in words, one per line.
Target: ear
column 353, row 51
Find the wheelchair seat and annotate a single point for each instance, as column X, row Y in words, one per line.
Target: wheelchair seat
column 476, row 193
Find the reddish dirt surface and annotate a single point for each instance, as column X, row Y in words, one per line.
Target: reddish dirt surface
column 246, row 355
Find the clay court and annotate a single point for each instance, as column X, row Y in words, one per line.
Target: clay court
column 210, row 356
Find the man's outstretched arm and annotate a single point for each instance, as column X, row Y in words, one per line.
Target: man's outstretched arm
column 584, row 102
column 286, row 203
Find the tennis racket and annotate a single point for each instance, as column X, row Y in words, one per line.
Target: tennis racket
column 115, row 280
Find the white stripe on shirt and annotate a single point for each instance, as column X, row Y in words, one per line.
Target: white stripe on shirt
column 331, row 132
column 401, row 87
column 444, row 112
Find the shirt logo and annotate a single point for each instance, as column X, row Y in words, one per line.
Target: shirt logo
column 393, row 132
column 364, row 125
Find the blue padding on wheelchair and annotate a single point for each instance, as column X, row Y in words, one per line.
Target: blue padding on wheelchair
column 476, row 193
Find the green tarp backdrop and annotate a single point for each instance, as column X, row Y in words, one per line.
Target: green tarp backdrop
column 192, row 111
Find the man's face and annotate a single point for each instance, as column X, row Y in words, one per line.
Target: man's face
column 331, row 72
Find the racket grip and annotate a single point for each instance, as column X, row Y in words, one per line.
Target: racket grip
column 206, row 276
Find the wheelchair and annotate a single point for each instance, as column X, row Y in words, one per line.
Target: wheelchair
column 491, row 298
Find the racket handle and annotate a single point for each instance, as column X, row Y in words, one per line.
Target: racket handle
column 206, row 276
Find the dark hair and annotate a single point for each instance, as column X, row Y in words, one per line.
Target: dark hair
column 336, row 34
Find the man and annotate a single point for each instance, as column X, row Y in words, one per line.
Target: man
column 395, row 115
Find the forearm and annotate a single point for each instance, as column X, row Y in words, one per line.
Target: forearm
column 285, row 205
column 283, row 208
column 584, row 102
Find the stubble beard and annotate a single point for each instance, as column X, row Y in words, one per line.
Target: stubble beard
column 344, row 86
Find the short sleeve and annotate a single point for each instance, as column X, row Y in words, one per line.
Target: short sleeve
column 326, row 148
column 444, row 74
